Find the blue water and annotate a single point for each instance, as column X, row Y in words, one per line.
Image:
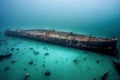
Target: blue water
column 97, row 17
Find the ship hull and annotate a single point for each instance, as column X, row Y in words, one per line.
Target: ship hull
column 102, row 46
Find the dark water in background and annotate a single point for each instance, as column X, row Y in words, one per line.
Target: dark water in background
column 97, row 17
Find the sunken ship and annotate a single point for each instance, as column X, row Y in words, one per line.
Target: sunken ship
column 69, row 39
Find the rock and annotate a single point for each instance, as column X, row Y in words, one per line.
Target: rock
column 46, row 54
column 35, row 52
column 47, row 73
column 76, row 61
column 30, row 62
column 45, row 48
column 97, row 61
column 6, row 68
column 25, row 69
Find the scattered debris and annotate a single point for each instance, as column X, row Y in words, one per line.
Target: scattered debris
column 97, row 61
column 26, row 76
column 95, row 79
column 45, row 48
column 5, row 56
column 35, row 52
column 30, row 62
column 76, row 61
column 17, row 49
column 46, row 54
column 43, row 65
column 84, row 58
column 12, row 49
column 48, row 73
column 31, row 48
column 117, row 66
column 13, row 61
column 6, row 68
column 105, row 75
column 25, row 69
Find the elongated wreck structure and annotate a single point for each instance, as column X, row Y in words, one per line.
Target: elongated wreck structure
column 85, row 42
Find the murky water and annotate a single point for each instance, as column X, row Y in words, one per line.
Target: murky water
column 61, row 63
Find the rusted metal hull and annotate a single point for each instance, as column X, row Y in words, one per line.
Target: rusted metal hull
column 102, row 45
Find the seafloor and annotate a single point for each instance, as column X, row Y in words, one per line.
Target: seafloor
column 45, row 61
